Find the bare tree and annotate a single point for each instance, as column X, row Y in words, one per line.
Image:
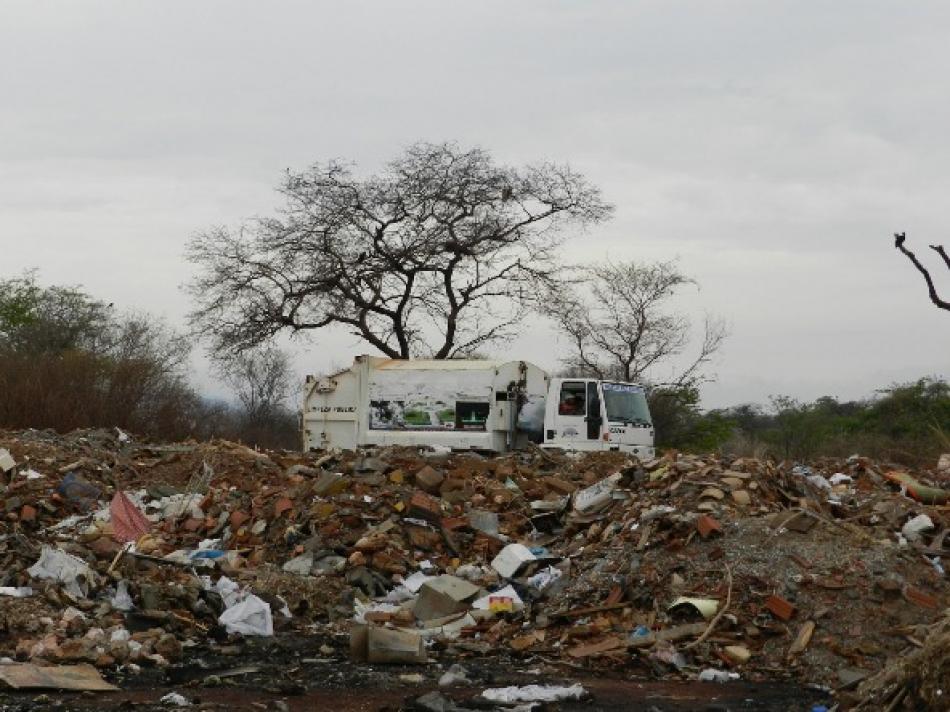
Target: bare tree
column 439, row 255
column 899, row 238
column 618, row 325
column 261, row 380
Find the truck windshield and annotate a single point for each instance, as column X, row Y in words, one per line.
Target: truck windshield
column 626, row 403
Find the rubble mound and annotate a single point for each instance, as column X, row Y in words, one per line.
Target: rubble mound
column 133, row 556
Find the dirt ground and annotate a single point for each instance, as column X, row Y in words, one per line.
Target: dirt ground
column 283, row 674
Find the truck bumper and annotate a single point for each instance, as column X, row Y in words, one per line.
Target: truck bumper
column 641, row 452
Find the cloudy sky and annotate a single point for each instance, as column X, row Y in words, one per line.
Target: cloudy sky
column 772, row 147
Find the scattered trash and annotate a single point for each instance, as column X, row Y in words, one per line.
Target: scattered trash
column 707, row 607
column 534, row 693
column 914, row 489
column 422, row 557
column 737, row 653
column 370, row 643
column 712, row 675
column 917, row 526
column 596, row 496
column 128, row 523
column 72, row 572
column 455, row 675
column 173, row 699
column 77, row 490
column 7, row 462
column 251, row 616
column 122, row 601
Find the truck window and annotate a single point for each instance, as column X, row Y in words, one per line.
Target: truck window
column 471, row 416
column 626, row 403
column 572, row 399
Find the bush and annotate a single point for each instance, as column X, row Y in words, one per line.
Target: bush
column 906, row 423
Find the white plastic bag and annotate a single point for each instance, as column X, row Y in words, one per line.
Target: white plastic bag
column 249, row 617
column 122, row 601
column 596, row 496
column 59, row 566
column 713, row 675
column 534, row 693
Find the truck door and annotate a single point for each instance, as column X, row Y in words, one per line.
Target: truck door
column 594, row 419
column 578, row 414
column 572, row 411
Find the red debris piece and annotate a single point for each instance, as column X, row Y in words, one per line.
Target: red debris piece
column 616, row 593
column 238, row 518
column 282, row 505
column 918, row 597
column 422, row 506
column 28, row 513
column 453, row 523
column 780, row 608
column 128, row 522
column 706, row 526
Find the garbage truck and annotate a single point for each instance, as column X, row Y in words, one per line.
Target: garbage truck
column 492, row 406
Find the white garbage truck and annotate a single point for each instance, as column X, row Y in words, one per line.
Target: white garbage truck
column 493, row 406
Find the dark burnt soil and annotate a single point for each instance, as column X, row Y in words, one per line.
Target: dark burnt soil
column 303, row 673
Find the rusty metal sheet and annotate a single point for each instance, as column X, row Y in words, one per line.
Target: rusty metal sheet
column 22, row 676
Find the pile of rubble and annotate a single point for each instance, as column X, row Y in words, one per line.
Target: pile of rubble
column 129, row 556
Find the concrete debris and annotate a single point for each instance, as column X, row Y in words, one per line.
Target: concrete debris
column 7, row 463
column 511, row 559
column 442, row 596
column 597, row 561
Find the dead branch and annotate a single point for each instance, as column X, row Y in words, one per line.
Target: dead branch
column 899, row 238
column 718, row 616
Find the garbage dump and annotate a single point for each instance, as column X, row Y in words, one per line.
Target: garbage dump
column 126, row 560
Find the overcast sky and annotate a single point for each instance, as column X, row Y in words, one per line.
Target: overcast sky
column 773, row 147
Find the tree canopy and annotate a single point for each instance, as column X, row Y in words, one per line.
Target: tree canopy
column 440, row 254
column 618, row 324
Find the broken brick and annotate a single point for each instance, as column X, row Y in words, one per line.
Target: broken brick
column 429, row 479
column 920, row 598
column 779, row 607
column 282, row 505
column 422, row 506
column 706, row 526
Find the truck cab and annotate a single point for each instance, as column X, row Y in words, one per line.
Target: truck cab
column 589, row 414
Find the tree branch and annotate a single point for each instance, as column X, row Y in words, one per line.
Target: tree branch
column 931, row 289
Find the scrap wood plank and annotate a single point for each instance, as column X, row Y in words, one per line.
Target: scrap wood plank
column 613, row 644
column 23, row 676
column 645, row 536
column 670, row 635
column 802, row 639
column 578, row 612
